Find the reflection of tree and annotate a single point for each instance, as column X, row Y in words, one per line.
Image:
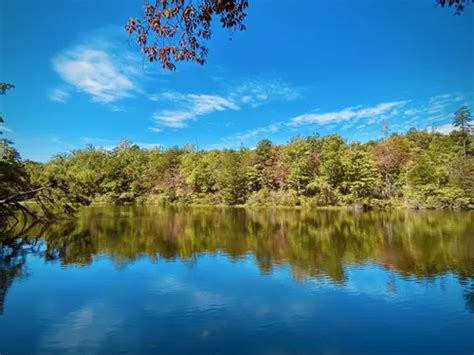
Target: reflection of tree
column 313, row 243
column 13, row 252
column 14, row 249
column 468, row 284
column 11, row 265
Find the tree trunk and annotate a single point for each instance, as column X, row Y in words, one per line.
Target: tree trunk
column 12, row 204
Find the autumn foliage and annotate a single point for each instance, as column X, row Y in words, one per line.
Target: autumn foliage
column 175, row 30
column 458, row 5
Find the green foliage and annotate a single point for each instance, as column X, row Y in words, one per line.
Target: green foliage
column 12, row 170
column 13, row 176
column 230, row 177
column 420, row 244
column 462, row 120
column 299, row 169
column 361, row 176
column 333, row 149
column 420, row 169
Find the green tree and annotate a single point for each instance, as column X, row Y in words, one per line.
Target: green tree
column 12, row 172
column 259, row 174
column 361, row 177
column 462, row 120
column 333, row 150
column 299, row 172
column 231, row 179
column 391, row 157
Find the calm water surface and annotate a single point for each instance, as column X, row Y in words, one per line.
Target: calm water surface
column 233, row 281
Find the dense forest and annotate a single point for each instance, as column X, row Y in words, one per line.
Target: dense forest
column 419, row 169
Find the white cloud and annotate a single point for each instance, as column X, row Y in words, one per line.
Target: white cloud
column 234, row 141
column 5, row 129
column 190, row 107
column 328, row 118
column 59, row 95
column 445, row 129
column 95, row 72
column 148, row 145
column 100, row 65
column 110, row 144
column 350, row 113
column 347, row 126
column 435, row 110
column 272, row 128
column 255, row 92
column 155, row 129
column 415, row 111
column 438, row 104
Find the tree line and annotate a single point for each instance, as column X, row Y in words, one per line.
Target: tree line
column 419, row 169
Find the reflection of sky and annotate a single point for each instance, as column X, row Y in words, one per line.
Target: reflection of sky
column 229, row 306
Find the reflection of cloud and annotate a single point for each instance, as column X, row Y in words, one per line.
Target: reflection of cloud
column 186, row 295
column 87, row 326
column 204, row 299
column 167, row 285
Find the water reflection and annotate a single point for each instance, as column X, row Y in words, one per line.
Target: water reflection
column 312, row 243
column 414, row 268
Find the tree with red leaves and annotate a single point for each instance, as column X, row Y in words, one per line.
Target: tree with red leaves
column 171, row 31
column 459, row 5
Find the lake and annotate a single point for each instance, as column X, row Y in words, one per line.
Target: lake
column 239, row 281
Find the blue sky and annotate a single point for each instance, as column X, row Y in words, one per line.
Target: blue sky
column 302, row 67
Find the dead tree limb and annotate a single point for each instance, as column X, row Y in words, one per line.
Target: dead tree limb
column 12, row 204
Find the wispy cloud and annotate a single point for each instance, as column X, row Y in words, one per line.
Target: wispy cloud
column 5, row 129
column 257, row 91
column 99, row 65
column 110, row 144
column 432, row 111
column 148, row 145
column 61, row 144
column 350, row 113
column 155, row 129
column 234, row 141
column 190, row 107
column 439, row 103
column 330, row 120
column 272, row 128
column 246, row 93
column 59, row 95
column 401, row 115
column 94, row 72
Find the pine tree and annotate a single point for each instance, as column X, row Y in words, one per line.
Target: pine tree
column 462, row 120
